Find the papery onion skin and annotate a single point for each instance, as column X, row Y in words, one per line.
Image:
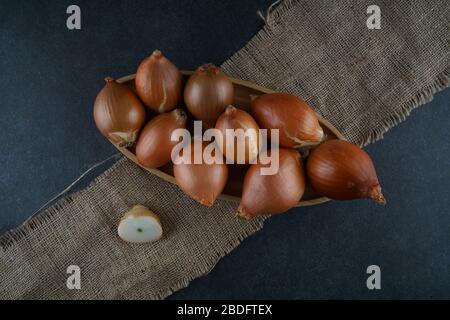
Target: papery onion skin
column 202, row 182
column 234, row 118
column 154, row 146
column 207, row 93
column 273, row 194
column 158, row 83
column 297, row 122
column 341, row 170
column 118, row 113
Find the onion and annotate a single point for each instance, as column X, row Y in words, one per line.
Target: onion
column 118, row 113
column 140, row 225
column 207, row 93
column 297, row 122
column 158, row 83
column 341, row 170
column 273, row 194
column 236, row 119
column 154, row 145
column 202, row 182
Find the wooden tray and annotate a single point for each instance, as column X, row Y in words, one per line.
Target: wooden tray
column 242, row 90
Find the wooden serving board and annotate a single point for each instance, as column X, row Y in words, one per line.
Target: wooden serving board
column 243, row 90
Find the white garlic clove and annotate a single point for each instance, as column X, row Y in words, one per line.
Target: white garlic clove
column 140, row 225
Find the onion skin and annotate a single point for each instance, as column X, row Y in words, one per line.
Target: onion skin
column 341, row 170
column 273, row 194
column 154, row 146
column 297, row 122
column 158, row 83
column 207, row 93
column 118, row 113
column 234, row 118
column 202, row 182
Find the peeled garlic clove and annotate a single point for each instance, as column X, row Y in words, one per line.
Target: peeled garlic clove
column 273, row 194
column 237, row 119
column 341, row 170
column 297, row 123
column 158, row 83
column 207, row 93
column 140, row 225
column 154, row 146
column 202, row 182
column 118, row 113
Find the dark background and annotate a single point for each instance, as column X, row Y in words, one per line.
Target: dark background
column 50, row 77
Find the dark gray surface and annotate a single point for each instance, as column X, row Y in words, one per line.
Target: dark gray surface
column 50, row 77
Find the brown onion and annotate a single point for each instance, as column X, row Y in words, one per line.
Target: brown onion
column 297, row 122
column 273, row 194
column 202, row 182
column 236, row 119
column 154, row 146
column 118, row 113
column 158, row 83
column 207, row 93
column 341, row 170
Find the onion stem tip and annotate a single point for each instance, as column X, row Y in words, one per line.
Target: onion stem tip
column 241, row 213
column 376, row 195
column 157, row 53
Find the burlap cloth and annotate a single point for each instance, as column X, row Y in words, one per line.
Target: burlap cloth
column 363, row 81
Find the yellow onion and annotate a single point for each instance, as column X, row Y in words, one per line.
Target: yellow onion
column 118, row 113
column 341, row 170
column 297, row 122
column 158, row 83
column 273, row 194
column 237, row 119
column 202, row 182
column 207, row 93
column 154, row 146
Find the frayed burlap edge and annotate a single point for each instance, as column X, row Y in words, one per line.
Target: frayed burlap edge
column 424, row 96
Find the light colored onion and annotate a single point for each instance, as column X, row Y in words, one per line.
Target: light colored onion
column 140, row 225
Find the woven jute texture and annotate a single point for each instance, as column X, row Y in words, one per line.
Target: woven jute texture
column 364, row 81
